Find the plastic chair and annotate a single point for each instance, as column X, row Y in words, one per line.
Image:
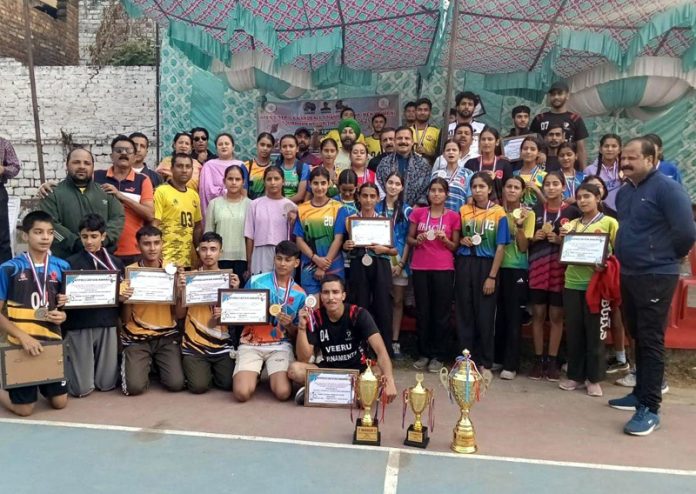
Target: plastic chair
column 682, row 291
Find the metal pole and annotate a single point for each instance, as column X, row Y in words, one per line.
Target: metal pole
column 32, row 82
column 157, row 90
column 450, row 70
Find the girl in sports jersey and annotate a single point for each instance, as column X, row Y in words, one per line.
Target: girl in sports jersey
column 347, row 186
column 602, row 186
column 394, row 208
column 531, row 171
column 296, row 173
column 485, row 233
column 358, row 163
column 586, row 359
column 546, row 276
column 568, row 159
column 433, row 234
column 370, row 278
column 457, row 176
column 226, row 216
column 319, row 231
column 607, row 166
column 329, row 151
column 498, row 168
column 514, row 277
column 257, row 166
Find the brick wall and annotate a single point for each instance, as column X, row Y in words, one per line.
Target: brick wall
column 55, row 40
column 90, row 104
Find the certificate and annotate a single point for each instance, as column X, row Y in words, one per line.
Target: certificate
column 244, row 307
column 585, row 249
column 330, row 387
column 202, row 286
column 512, row 146
column 19, row 369
column 150, row 286
column 87, row 289
column 371, row 231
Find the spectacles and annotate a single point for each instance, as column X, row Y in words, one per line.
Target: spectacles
column 200, row 138
column 123, row 151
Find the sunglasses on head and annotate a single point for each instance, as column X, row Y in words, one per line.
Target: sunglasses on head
column 200, row 138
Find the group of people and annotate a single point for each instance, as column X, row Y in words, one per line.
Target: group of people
column 473, row 231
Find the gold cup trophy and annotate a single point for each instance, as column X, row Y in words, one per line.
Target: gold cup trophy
column 464, row 384
column 418, row 399
column 367, row 390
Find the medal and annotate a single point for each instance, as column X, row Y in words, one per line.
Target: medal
column 547, row 227
column 442, row 174
column 41, row 288
column 311, row 302
column 170, row 268
column 275, row 309
column 567, row 228
column 517, row 213
column 367, row 260
column 476, row 239
column 430, row 235
column 41, row 314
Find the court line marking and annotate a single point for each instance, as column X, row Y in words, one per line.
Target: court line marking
column 386, row 450
column 391, row 475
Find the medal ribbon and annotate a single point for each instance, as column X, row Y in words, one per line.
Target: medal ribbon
column 597, row 217
column 558, row 215
column 613, row 176
column 439, row 226
column 495, row 162
column 570, row 185
column 276, row 289
column 41, row 289
column 97, row 261
column 483, row 223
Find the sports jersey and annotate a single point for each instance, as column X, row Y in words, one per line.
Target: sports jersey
column 400, row 231
column 573, row 125
column 373, row 145
column 501, row 168
column 458, row 181
column 578, row 277
column 490, row 223
column 572, row 184
column 292, row 180
column 318, row 226
column 428, row 138
column 366, row 175
column 269, row 334
column 178, row 213
column 669, row 168
column 342, row 343
column 18, row 290
column 433, row 255
column 514, row 259
column 350, row 206
column 198, row 338
column 612, row 177
column 165, row 169
column 536, row 178
column 255, row 185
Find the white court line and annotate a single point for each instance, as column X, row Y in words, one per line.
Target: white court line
column 391, row 476
column 216, row 435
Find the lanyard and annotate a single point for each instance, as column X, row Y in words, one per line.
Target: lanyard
column 597, row 217
column 495, row 162
column 276, row 289
column 422, row 135
column 570, row 185
column 98, row 262
column 41, row 288
column 483, row 223
column 558, row 215
column 439, row 226
column 614, row 175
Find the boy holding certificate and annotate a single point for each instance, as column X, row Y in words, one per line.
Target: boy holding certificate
column 91, row 340
column 270, row 344
column 149, row 334
column 206, row 345
column 30, row 285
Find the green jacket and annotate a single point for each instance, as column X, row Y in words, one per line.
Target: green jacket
column 68, row 205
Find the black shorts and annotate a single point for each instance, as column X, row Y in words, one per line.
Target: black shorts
column 27, row 395
column 545, row 297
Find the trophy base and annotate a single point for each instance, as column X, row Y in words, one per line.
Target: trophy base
column 417, row 439
column 367, row 435
column 465, row 444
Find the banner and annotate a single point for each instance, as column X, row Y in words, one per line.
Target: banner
column 280, row 118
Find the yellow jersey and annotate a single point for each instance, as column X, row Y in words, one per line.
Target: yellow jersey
column 425, row 141
column 178, row 213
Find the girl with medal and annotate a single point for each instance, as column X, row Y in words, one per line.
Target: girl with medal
column 546, row 276
column 319, row 231
column 497, row 168
column 370, row 277
column 433, row 234
column 358, row 163
column 329, row 151
column 607, row 166
column 295, row 173
column 531, row 171
column 586, row 359
column 485, row 233
column 597, row 181
column 393, row 207
column 256, row 167
column 568, row 159
column 457, row 176
column 514, row 275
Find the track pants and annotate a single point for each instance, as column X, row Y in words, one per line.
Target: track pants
column 370, row 287
column 512, row 296
column 433, row 293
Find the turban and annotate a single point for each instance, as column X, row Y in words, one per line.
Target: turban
column 349, row 122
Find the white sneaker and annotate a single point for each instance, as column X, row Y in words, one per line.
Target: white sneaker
column 629, row 380
column 496, row 367
column 434, row 366
column 508, row 375
column 421, row 363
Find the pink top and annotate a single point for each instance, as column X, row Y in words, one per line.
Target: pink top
column 267, row 221
column 212, row 180
column 366, row 176
column 433, row 255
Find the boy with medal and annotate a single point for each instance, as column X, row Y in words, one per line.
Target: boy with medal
column 91, row 339
column 270, row 344
column 30, row 286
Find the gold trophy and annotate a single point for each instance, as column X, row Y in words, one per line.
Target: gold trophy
column 464, row 383
column 418, row 399
column 367, row 390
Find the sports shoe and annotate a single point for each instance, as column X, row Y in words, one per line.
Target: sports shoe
column 614, row 366
column 434, row 366
column 665, row 387
column 643, row 422
column 593, row 389
column 299, row 396
column 570, row 385
column 396, row 350
column 629, row 403
column 496, row 367
column 553, row 373
column 421, row 363
column 537, row 371
column 508, row 375
column 628, row 381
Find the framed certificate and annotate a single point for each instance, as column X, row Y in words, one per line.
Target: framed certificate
column 330, row 387
column 244, row 307
column 202, row 286
column 512, row 146
column 371, row 231
column 585, row 249
column 91, row 289
column 151, row 286
column 21, row 369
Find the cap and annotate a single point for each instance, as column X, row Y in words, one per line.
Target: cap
column 559, row 86
column 303, row 130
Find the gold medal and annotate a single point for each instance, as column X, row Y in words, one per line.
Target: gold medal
column 275, row 309
column 567, row 228
column 547, row 228
column 517, row 213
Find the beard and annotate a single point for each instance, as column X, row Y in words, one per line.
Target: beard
column 347, row 143
column 465, row 114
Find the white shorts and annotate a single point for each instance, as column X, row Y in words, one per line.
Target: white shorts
column 252, row 357
column 400, row 280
